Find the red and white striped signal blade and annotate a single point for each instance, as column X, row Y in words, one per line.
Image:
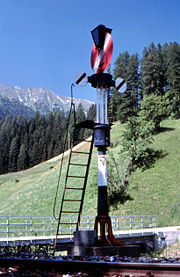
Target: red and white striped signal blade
column 81, row 78
column 101, row 59
column 120, row 85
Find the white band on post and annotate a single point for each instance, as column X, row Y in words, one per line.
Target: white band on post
column 102, row 170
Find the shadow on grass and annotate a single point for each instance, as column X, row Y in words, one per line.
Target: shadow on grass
column 151, row 157
column 118, row 198
column 164, row 129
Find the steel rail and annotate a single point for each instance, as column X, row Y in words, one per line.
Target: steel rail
column 95, row 268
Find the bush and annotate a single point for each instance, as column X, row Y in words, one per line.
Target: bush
column 117, row 173
column 154, row 108
column 136, row 142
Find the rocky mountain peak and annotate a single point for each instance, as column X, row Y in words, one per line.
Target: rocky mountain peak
column 27, row 101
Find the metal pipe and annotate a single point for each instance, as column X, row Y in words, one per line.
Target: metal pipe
column 97, row 104
column 101, row 105
column 105, row 103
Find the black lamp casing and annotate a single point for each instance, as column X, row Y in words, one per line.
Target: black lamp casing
column 98, row 35
column 101, row 78
column 102, row 136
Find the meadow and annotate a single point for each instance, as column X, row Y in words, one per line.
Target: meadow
column 154, row 191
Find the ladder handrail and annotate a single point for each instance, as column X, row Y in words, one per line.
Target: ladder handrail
column 72, row 109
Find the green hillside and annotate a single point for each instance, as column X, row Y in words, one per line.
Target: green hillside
column 153, row 191
column 157, row 189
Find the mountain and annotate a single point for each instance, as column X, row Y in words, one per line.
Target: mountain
column 27, row 101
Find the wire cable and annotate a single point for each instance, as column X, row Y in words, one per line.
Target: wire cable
column 72, row 109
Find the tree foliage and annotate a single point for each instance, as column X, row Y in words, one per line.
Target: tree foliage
column 136, row 142
column 24, row 144
column 156, row 73
column 117, row 174
column 154, row 108
column 173, row 78
column 152, row 71
column 123, row 106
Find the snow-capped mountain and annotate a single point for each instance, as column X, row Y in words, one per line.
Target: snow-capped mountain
column 27, row 101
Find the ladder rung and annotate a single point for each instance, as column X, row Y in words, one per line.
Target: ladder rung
column 68, row 223
column 78, row 164
column 70, row 212
column 67, row 234
column 79, row 152
column 74, row 200
column 75, row 188
column 83, row 140
column 72, row 176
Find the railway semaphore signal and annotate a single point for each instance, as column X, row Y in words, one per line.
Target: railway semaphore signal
column 100, row 60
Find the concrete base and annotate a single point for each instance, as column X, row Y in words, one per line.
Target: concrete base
column 126, row 250
column 85, row 241
column 84, row 238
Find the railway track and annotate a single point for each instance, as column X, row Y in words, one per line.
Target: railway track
column 10, row 266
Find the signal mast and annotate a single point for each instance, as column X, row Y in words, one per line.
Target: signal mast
column 100, row 60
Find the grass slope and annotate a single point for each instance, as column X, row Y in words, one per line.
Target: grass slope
column 157, row 189
column 153, row 191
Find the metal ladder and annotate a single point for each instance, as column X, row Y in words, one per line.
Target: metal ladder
column 75, row 182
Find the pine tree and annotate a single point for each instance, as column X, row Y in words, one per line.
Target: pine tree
column 126, row 105
column 133, row 81
column 173, row 78
column 91, row 114
column 154, row 108
column 113, row 102
column 162, row 55
column 50, row 149
column 80, row 117
column 23, row 157
column 120, row 103
column 58, row 132
column 34, row 154
column 5, row 140
column 13, row 154
column 151, row 71
column 121, row 65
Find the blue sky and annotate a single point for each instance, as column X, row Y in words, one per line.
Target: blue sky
column 43, row 43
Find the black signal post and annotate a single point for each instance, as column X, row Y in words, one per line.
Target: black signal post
column 102, row 82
